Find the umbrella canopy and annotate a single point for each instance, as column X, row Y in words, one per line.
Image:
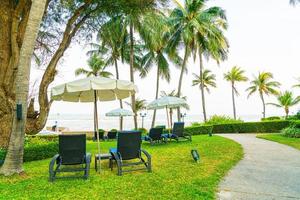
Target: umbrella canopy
column 119, row 113
column 166, row 102
column 82, row 90
column 92, row 89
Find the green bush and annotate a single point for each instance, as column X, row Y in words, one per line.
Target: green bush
column 199, row 130
column 143, row 130
column 36, row 148
column 222, row 119
column 252, row 127
column 271, row 118
column 291, row 132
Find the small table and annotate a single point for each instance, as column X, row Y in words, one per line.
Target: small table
column 104, row 156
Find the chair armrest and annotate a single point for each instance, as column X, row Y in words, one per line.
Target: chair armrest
column 54, row 159
column 88, row 157
column 146, row 154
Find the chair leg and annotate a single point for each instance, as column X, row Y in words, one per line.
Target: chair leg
column 96, row 166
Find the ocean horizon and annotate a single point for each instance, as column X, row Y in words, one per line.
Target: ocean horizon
column 85, row 122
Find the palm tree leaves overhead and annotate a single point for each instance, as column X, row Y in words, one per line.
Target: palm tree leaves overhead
column 263, row 84
column 97, row 68
column 286, row 100
column 209, row 80
column 236, row 74
column 140, row 104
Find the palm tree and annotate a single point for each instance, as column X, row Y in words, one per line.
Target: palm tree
column 293, row 2
column 173, row 93
column 112, row 37
column 236, row 74
column 140, row 104
column 207, row 80
column 156, row 40
column 197, row 28
column 97, row 68
column 263, row 84
column 14, row 158
column 285, row 101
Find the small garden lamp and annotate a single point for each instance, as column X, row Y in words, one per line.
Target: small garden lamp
column 143, row 115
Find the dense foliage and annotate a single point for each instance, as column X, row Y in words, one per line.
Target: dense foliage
column 292, row 132
column 222, row 119
column 252, row 127
column 37, row 148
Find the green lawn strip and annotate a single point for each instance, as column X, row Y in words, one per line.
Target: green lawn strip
column 174, row 175
column 293, row 142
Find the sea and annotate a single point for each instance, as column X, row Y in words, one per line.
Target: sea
column 85, row 122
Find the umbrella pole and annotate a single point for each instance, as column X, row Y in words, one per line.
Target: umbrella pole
column 168, row 120
column 96, row 127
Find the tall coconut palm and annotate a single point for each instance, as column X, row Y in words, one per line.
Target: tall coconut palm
column 97, row 68
column 236, row 74
column 156, row 40
column 113, row 38
column 286, row 100
column 196, row 27
column 264, row 85
column 207, row 80
column 14, row 158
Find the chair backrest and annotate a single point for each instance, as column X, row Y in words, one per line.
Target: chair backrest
column 161, row 126
column 112, row 134
column 178, row 129
column 72, row 149
column 129, row 144
column 155, row 133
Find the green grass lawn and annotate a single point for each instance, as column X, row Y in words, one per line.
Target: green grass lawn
column 174, row 176
column 293, row 142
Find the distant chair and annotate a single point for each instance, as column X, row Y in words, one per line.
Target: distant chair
column 129, row 152
column 101, row 135
column 178, row 132
column 156, row 136
column 111, row 135
column 72, row 151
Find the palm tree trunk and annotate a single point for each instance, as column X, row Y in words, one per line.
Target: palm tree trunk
column 264, row 105
column 202, row 86
column 14, row 158
column 181, row 78
column 132, row 74
column 121, row 102
column 286, row 109
column 156, row 96
column 171, row 117
column 233, row 100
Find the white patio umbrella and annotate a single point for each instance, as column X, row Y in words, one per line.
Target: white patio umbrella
column 167, row 102
column 119, row 112
column 92, row 89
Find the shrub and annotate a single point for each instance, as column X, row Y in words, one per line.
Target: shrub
column 271, row 118
column 292, row 132
column 143, row 130
column 196, row 124
column 37, row 148
column 251, row 127
column 222, row 119
column 199, row 130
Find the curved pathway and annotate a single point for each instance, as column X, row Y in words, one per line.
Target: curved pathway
column 268, row 171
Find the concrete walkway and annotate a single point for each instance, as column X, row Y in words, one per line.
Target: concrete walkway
column 268, row 171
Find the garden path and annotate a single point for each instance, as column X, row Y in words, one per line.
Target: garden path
column 269, row 170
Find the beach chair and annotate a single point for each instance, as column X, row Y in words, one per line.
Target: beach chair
column 129, row 153
column 111, row 135
column 101, row 135
column 72, row 156
column 156, row 136
column 178, row 132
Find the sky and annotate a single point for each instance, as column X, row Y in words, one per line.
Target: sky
column 263, row 36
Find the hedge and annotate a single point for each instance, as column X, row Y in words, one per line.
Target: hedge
column 199, row 130
column 36, row 149
column 252, row 127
